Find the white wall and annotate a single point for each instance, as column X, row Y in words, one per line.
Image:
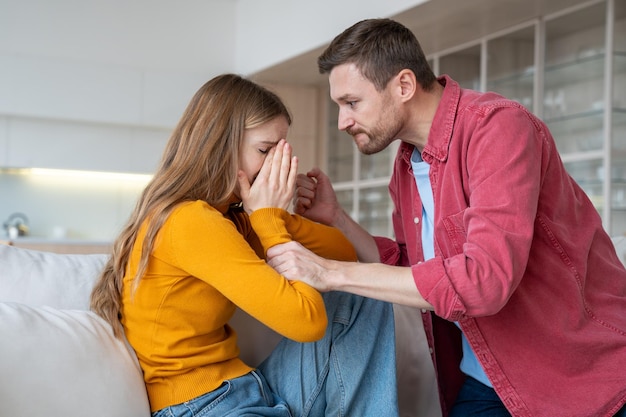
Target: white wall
column 135, row 33
column 131, row 62
column 271, row 31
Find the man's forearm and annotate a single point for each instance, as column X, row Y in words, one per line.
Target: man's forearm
column 393, row 284
column 363, row 242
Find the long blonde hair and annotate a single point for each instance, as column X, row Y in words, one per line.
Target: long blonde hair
column 200, row 162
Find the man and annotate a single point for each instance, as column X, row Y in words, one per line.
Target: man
column 492, row 235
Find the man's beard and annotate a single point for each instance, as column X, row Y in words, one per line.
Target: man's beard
column 378, row 138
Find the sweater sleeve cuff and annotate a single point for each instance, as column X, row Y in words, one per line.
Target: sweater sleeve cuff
column 269, row 224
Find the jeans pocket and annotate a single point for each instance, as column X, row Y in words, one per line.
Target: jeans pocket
column 205, row 405
column 199, row 406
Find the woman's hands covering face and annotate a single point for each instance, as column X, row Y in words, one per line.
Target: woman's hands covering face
column 274, row 184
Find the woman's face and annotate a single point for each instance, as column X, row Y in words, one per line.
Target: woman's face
column 257, row 142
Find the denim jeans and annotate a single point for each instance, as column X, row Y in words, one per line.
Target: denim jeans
column 478, row 400
column 351, row 371
column 247, row 395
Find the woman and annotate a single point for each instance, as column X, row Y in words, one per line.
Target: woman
column 193, row 251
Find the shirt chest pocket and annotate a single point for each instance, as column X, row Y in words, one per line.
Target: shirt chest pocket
column 455, row 234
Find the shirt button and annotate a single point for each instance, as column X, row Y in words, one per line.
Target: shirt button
column 423, row 310
column 431, row 350
column 416, row 220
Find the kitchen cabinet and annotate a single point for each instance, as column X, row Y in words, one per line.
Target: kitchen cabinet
column 584, row 89
column 464, row 63
column 79, row 115
column 510, row 65
column 39, row 143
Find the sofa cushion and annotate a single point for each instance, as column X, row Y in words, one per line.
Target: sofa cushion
column 42, row 278
column 66, row 363
column 57, row 358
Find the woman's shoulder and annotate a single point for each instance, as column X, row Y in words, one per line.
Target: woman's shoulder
column 192, row 213
column 193, row 218
column 195, row 207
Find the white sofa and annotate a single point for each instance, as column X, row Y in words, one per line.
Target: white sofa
column 58, row 359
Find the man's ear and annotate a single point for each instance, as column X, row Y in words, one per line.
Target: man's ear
column 407, row 84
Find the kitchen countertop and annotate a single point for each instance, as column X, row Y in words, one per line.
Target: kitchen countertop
column 59, row 241
column 60, row 245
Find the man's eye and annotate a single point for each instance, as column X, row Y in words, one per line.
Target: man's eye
column 351, row 103
column 264, row 151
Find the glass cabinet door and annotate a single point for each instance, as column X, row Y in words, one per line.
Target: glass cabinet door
column 573, row 96
column 376, row 165
column 573, row 100
column 589, row 174
column 463, row 66
column 340, row 148
column 584, row 90
column 375, row 210
column 346, row 200
column 511, row 65
column 618, row 122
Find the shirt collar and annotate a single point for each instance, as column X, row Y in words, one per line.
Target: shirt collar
column 442, row 126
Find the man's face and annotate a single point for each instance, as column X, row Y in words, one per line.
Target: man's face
column 370, row 116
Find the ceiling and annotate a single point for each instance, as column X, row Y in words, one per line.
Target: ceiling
column 438, row 24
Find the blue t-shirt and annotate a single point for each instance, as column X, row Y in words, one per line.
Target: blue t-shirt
column 469, row 364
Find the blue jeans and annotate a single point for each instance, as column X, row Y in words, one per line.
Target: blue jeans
column 247, row 395
column 478, row 400
column 351, row 371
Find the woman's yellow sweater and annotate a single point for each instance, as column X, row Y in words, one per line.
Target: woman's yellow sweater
column 205, row 263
